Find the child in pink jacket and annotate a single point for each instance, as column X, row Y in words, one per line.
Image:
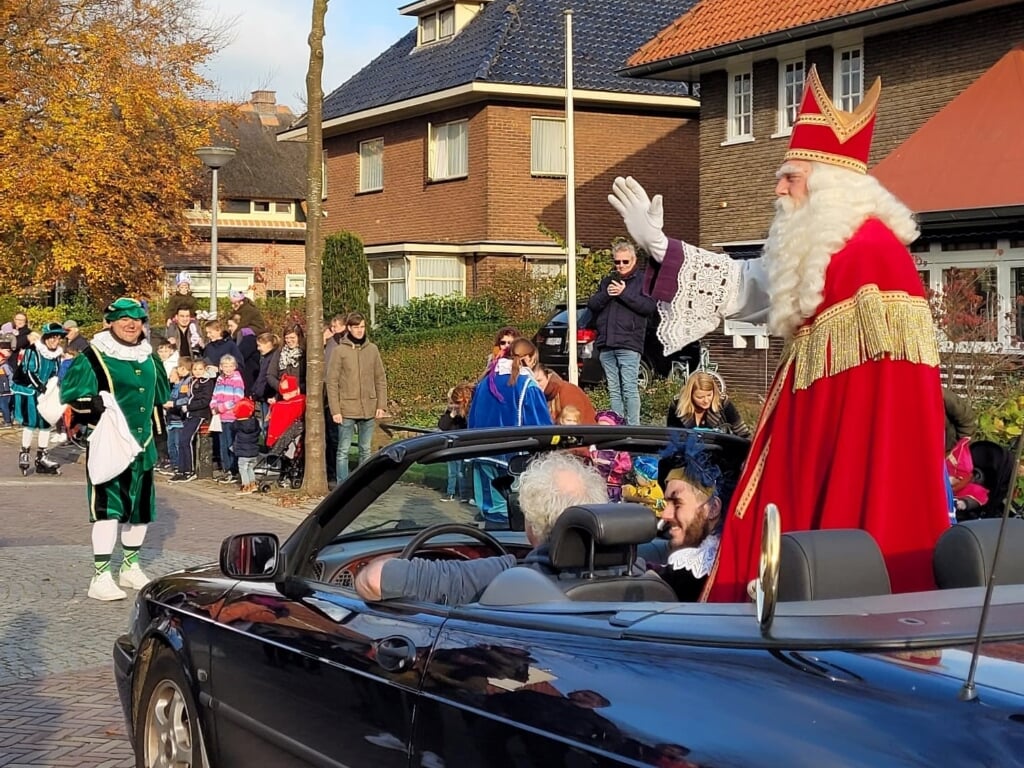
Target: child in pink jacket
column 227, row 393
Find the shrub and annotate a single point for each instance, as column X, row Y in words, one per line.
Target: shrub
column 437, row 312
column 346, row 275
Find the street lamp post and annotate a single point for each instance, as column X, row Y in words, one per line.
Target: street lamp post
column 214, row 158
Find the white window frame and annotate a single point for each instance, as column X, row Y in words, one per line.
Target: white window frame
column 434, row 134
column 543, row 160
column 789, row 95
column 847, row 94
column 734, row 134
column 1004, row 260
column 371, row 152
column 390, row 262
column 419, row 285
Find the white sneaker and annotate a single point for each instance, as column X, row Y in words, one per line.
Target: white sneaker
column 134, row 577
column 103, row 588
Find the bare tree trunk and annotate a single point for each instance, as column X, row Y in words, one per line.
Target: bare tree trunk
column 315, row 482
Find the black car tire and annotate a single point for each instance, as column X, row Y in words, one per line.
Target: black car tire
column 167, row 730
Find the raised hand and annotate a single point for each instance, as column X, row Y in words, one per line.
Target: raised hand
column 643, row 217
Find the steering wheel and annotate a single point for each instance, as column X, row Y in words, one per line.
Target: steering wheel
column 416, row 543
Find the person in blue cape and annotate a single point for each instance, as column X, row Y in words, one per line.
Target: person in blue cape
column 507, row 396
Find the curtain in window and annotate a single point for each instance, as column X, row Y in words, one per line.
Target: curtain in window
column 371, row 165
column 547, row 146
column 451, row 156
column 439, row 276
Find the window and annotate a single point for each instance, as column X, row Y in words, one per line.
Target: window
column 236, row 206
column 849, row 78
column 227, row 279
column 438, row 276
column 261, row 206
column 428, row 29
column 547, row 146
column 449, row 150
column 791, row 90
column 1017, row 302
column 387, row 282
column 741, row 106
column 971, row 301
column 282, row 207
column 371, row 165
column 445, row 23
column 439, row 25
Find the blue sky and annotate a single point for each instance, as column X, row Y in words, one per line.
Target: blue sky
column 268, row 47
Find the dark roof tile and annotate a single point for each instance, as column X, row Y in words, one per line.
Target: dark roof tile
column 517, row 42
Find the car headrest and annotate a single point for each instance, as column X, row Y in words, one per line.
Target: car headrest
column 964, row 553
column 600, row 535
column 831, row 563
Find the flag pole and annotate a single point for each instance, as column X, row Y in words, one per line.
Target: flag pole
column 570, row 204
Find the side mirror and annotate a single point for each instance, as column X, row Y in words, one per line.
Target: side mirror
column 253, row 556
column 766, row 588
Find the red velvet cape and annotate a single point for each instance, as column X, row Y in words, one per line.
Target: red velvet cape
column 860, row 447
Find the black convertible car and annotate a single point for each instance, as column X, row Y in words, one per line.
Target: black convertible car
column 270, row 658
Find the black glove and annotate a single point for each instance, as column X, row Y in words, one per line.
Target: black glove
column 87, row 410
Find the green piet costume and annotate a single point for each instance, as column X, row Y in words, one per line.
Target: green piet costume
column 135, row 376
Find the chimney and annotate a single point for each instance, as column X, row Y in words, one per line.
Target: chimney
column 264, row 102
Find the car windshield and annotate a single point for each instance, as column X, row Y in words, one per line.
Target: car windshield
column 441, row 491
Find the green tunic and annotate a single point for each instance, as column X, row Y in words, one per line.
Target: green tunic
column 140, row 387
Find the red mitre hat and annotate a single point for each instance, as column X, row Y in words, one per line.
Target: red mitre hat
column 825, row 134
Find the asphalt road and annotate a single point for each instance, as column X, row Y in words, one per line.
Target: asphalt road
column 58, row 703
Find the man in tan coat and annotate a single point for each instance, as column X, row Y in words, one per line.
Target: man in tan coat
column 357, row 391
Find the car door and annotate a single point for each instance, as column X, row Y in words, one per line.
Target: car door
column 553, row 689
column 322, row 679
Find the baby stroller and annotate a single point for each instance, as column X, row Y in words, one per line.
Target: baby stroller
column 284, row 459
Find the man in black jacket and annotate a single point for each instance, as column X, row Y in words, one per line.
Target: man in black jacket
column 621, row 309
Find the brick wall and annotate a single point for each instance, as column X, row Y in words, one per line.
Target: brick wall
column 277, row 260
column 748, row 371
column 500, row 200
column 922, row 70
column 409, row 208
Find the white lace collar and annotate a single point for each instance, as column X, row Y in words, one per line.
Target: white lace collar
column 45, row 351
column 111, row 347
column 697, row 560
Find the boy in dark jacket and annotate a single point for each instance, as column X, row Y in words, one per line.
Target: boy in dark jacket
column 192, row 399
column 246, row 445
column 218, row 344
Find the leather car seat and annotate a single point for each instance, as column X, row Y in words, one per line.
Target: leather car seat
column 593, row 553
column 831, row 564
column 963, row 555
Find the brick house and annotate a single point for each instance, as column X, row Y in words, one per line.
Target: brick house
column 261, row 224
column 446, row 153
column 750, row 58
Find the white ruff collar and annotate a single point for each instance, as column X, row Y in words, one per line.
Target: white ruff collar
column 45, row 351
column 697, row 560
column 111, row 347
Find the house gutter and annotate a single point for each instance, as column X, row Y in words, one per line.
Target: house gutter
column 971, row 215
column 795, row 34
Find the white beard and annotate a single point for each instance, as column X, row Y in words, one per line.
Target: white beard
column 802, row 240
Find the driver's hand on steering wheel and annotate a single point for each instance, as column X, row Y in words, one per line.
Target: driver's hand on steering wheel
column 368, row 579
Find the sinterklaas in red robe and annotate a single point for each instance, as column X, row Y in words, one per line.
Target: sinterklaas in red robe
column 851, row 434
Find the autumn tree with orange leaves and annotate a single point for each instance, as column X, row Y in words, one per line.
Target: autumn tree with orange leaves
column 99, row 122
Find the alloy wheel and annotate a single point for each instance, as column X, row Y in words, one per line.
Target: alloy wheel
column 168, row 737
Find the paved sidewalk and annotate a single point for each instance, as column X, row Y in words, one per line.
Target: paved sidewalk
column 58, row 703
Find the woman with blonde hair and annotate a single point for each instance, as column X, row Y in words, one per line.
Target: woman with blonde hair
column 701, row 404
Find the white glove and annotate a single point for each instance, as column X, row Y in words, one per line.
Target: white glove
column 643, row 217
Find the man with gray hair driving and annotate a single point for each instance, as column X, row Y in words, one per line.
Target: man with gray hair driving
column 550, row 484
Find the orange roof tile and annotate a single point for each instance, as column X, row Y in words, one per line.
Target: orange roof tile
column 712, row 23
column 969, row 154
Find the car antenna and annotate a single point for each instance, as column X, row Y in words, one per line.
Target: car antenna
column 968, row 692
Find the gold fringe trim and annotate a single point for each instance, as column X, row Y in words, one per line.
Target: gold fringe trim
column 871, row 325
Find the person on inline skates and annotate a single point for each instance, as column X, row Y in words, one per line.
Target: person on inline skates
column 38, row 365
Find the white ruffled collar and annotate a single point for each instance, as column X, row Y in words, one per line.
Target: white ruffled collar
column 697, row 560
column 45, row 351
column 105, row 342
